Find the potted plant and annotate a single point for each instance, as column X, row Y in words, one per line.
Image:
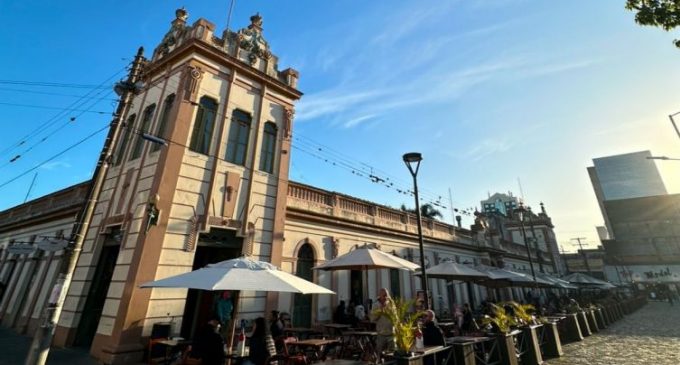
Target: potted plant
column 405, row 323
column 502, row 324
column 530, row 348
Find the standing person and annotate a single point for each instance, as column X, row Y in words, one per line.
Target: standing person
column 467, row 319
column 224, row 307
column 259, row 353
column 209, row 345
column 340, row 315
column 385, row 339
column 276, row 327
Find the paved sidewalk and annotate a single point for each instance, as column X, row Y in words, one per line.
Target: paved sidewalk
column 649, row 336
column 15, row 347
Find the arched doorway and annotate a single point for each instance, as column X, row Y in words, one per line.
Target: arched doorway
column 302, row 309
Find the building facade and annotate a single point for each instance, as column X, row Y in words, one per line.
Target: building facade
column 219, row 189
column 625, row 176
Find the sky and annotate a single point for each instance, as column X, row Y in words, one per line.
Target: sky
column 495, row 94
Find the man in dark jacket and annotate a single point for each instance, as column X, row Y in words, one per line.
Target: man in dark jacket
column 433, row 336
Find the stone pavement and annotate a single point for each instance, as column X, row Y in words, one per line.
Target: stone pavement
column 13, row 350
column 649, row 336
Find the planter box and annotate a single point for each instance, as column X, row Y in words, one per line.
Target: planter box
column 551, row 345
column 530, row 348
column 411, row 360
column 583, row 323
column 506, row 347
column 592, row 321
column 571, row 330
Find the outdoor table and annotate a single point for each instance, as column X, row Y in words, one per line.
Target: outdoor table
column 319, row 346
column 435, row 351
column 362, row 340
column 336, row 328
column 299, row 332
column 469, row 350
column 170, row 344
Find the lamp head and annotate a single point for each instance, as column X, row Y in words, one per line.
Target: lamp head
column 412, row 157
column 520, row 211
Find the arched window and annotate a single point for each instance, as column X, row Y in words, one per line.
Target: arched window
column 239, row 133
column 302, row 310
column 146, row 123
column 267, row 154
column 129, row 127
column 163, row 121
column 203, row 126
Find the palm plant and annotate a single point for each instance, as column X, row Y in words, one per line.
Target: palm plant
column 405, row 322
column 523, row 312
column 500, row 319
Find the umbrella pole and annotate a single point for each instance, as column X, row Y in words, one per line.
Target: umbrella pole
column 232, row 323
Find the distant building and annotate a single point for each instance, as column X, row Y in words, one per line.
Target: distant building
column 499, row 202
column 626, row 176
column 586, row 261
column 646, row 243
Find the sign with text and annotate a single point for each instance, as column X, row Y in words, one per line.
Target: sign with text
column 21, row 249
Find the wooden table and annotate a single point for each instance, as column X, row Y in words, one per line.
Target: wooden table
column 319, row 346
column 362, row 340
column 337, row 327
column 171, row 344
column 298, row 331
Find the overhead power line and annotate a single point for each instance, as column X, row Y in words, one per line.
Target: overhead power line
column 54, row 156
column 54, row 108
column 52, row 84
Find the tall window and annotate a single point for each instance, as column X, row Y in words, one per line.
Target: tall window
column 268, row 148
column 129, row 127
column 239, row 132
column 146, row 123
column 395, row 283
column 203, row 126
column 163, row 121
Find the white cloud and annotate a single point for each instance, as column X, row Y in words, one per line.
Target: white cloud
column 54, row 165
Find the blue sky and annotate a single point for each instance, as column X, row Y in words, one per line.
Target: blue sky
column 488, row 91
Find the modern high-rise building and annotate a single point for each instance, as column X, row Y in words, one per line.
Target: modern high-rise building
column 626, row 176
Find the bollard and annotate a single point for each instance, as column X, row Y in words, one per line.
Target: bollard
column 583, row 323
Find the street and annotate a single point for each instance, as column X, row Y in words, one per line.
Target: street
column 649, row 336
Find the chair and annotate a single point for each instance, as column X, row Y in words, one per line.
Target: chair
column 285, row 357
column 187, row 359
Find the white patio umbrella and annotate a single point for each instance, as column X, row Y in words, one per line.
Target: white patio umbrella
column 365, row 258
column 240, row 274
column 451, row 270
column 557, row 282
column 504, row 277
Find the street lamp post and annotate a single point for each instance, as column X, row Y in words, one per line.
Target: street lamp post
column 521, row 215
column 412, row 161
column 535, row 240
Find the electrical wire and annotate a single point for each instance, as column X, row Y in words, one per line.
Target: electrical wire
column 51, row 84
column 49, row 122
column 54, row 156
column 44, row 93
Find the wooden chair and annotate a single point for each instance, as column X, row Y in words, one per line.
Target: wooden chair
column 286, row 358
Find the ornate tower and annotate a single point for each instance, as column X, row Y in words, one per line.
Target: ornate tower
column 200, row 175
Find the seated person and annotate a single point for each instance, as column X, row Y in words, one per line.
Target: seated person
column 340, row 315
column 209, row 345
column 432, row 334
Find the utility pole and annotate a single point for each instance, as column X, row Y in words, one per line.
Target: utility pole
column 585, row 257
column 40, row 347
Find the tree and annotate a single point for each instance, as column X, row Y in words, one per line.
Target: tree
column 657, row 13
column 426, row 211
